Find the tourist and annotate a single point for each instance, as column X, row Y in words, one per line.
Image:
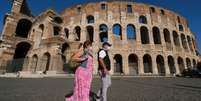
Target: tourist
column 83, row 74
column 104, row 68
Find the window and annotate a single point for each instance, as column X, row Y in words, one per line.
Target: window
column 181, row 28
column 152, row 9
column 90, row 19
column 117, row 30
column 143, row 19
column 129, row 9
column 178, row 18
column 103, row 7
column 79, row 9
column 131, row 34
column 162, row 12
column 144, row 35
column 56, row 30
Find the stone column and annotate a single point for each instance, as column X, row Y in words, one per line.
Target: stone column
column 167, row 69
column 140, row 65
column 154, row 65
column 125, row 64
column 176, row 66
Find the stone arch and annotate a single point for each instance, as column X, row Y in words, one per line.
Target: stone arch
column 90, row 19
column 188, row 63
column 41, row 27
column 118, row 63
column 34, row 63
column 117, row 30
column 147, row 61
column 131, row 32
column 176, row 39
column 57, row 30
column 20, row 55
column 167, row 35
column 23, row 28
column 156, row 35
column 190, row 43
column 103, row 33
column 171, row 65
column 77, row 32
column 194, row 63
column 160, row 64
column 66, row 31
column 184, row 42
column 180, row 63
column 133, row 64
column 46, row 60
column 144, row 35
column 143, row 19
column 90, row 33
column 181, row 28
column 152, row 10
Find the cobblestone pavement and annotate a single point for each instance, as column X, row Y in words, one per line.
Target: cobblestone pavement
column 123, row 89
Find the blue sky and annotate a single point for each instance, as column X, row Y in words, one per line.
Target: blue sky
column 190, row 9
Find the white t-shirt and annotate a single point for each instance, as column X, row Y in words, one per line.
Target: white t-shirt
column 102, row 54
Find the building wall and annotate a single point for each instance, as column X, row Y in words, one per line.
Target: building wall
column 51, row 31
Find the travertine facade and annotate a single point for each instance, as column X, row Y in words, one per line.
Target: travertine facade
column 147, row 40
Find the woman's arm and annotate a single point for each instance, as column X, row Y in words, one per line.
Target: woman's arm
column 77, row 56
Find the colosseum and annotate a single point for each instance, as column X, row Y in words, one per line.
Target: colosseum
column 146, row 39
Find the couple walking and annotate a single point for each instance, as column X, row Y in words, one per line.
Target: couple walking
column 83, row 74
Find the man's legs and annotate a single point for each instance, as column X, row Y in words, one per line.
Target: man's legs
column 105, row 83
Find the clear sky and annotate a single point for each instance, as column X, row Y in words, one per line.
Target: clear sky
column 190, row 9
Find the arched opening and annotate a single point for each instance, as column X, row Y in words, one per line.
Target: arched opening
column 118, row 64
column 103, row 6
column 19, row 56
column 171, row 65
column 167, row 36
column 90, row 19
column 180, row 64
column 133, row 64
column 184, row 42
column 156, row 35
column 131, row 33
column 190, row 43
column 188, row 63
column 90, row 33
column 117, row 31
column 181, row 28
column 129, row 9
column 58, row 20
column 64, row 55
column 176, row 39
column 23, row 28
column 77, row 33
column 34, row 63
column 66, row 32
column 144, row 35
column 57, row 30
column 162, row 12
column 160, row 64
column 143, row 19
column 46, row 61
column 194, row 64
column 147, row 61
column 152, row 10
column 41, row 27
column 103, row 33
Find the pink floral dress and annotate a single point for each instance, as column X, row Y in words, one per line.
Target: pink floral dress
column 82, row 82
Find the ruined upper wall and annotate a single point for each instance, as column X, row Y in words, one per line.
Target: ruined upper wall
column 118, row 9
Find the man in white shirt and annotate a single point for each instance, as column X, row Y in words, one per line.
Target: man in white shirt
column 104, row 68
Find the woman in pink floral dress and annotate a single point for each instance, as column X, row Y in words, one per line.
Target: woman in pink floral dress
column 83, row 74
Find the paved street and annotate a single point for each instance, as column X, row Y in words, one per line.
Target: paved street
column 123, row 89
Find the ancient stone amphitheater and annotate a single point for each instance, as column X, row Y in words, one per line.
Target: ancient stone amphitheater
column 147, row 40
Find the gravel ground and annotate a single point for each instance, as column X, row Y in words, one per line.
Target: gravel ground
column 123, row 89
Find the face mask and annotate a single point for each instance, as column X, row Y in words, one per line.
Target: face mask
column 108, row 48
column 90, row 48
